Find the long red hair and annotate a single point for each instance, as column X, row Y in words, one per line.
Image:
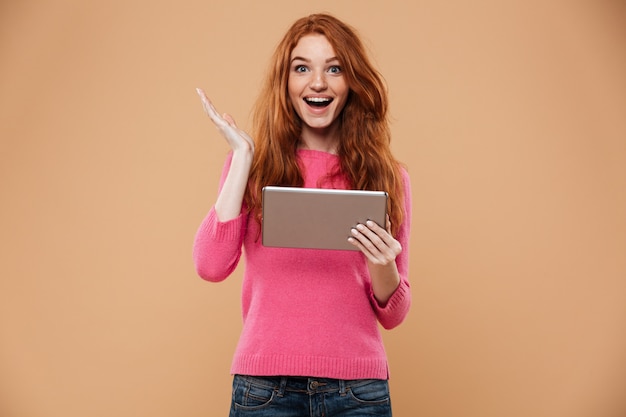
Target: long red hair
column 363, row 129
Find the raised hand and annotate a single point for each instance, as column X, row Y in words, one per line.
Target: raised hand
column 229, row 201
column 237, row 139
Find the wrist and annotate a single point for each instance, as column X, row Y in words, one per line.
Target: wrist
column 244, row 155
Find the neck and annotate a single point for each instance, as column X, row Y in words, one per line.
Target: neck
column 323, row 140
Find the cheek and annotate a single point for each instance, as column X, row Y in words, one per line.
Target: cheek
column 295, row 85
column 344, row 99
column 292, row 100
column 342, row 90
column 293, row 92
column 290, row 90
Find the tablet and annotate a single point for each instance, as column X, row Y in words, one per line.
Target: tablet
column 316, row 218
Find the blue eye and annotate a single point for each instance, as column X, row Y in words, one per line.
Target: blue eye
column 300, row 68
column 335, row 69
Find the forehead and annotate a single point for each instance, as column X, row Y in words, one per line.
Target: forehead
column 312, row 46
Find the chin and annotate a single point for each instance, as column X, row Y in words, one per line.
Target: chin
column 318, row 124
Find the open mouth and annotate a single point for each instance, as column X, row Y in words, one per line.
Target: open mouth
column 318, row 101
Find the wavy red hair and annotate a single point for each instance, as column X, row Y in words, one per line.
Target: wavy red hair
column 364, row 145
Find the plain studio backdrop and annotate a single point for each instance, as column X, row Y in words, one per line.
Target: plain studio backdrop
column 511, row 119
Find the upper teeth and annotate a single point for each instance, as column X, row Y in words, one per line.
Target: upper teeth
column 317, row 99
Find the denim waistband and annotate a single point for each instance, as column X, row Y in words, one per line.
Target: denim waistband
column 304, row 384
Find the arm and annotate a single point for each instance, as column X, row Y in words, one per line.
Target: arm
column 388, row 261
column 217, row 246
column 230, row 198
column 381, row 250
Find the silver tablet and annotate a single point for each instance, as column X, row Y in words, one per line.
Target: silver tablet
column 316, row 218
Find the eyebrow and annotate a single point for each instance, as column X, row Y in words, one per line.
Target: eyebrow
column 299, row 58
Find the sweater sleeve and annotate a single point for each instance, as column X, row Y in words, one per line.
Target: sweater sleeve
column 217, row 246
column 395, row 310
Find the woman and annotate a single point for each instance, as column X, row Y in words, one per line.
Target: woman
column 310, row 343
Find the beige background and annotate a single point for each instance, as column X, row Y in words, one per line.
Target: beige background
column 511, row 116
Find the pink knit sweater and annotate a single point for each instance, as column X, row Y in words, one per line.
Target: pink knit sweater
column 306, row 312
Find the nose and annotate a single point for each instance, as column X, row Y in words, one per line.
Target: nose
column 318, row 81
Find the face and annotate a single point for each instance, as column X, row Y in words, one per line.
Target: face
column 317, row 86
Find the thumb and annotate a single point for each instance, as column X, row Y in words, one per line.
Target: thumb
column 229, row 119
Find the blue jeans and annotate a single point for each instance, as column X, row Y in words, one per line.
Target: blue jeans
column 309, row 397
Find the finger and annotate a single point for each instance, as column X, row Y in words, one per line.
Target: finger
column 383, row 234
column 371, row 245
column 371, row 252
column 229, row 119
column 377, row 241
column 209, row 109
column 206, row 103
column 361, row 247
column 372, row 232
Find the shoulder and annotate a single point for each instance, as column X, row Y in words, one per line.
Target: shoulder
column 406, row 186
column 404, row 174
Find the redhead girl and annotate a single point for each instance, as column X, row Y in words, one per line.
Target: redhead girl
column 311, row 344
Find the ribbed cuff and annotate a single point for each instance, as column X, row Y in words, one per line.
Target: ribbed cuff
column 397, row 307
column 227, row 231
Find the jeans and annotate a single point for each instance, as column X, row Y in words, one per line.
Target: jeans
column 309, row 397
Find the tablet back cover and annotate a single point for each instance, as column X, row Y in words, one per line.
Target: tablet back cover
column 317, row 218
